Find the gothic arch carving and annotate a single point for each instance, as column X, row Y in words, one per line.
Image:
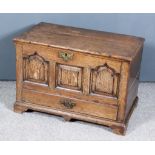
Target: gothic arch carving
column 104, row 80
column 35, row 68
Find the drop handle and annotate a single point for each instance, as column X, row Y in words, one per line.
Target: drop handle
column 68, row 103
column 66, row 56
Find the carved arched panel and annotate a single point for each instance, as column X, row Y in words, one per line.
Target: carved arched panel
column 104, row 80
column 35, row 69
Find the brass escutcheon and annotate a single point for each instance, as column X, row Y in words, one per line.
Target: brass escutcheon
column 66, row 56
column 67, row 103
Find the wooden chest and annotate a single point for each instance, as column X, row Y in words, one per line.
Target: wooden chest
column 78, row 74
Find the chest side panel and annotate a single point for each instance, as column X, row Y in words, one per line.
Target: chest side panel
column 134, row 74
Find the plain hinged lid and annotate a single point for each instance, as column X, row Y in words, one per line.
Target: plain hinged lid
column 83, row 40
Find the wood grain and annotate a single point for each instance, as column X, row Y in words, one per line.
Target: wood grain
column 86, row 81
column 104, row 80
column 85, row 107
column 35, row 69
column 78, row 74
column 88, row 41
column 123, row 91
column 19, row 72
column 69, row 77
column 52, row 74
column 117, row 127
column 52, row 54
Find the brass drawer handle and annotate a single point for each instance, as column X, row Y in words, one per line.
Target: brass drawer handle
column 67, row 103
column 66, row 56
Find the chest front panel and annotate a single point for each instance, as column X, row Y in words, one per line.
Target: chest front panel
column 74, row 72
column 71, row 74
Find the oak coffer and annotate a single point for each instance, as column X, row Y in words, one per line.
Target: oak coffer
column 78, row 74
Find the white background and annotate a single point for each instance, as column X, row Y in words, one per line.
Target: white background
column 79, row 148
column 72, row 6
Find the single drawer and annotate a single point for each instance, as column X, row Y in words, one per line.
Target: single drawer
column 70, row 104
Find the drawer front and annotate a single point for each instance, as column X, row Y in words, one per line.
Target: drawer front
column 70, row 105
column 60, row 69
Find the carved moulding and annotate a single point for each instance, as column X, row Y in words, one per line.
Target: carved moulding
column 35, row 68
column 104, row 80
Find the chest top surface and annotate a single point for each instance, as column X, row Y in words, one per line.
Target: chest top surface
column 83, row 40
